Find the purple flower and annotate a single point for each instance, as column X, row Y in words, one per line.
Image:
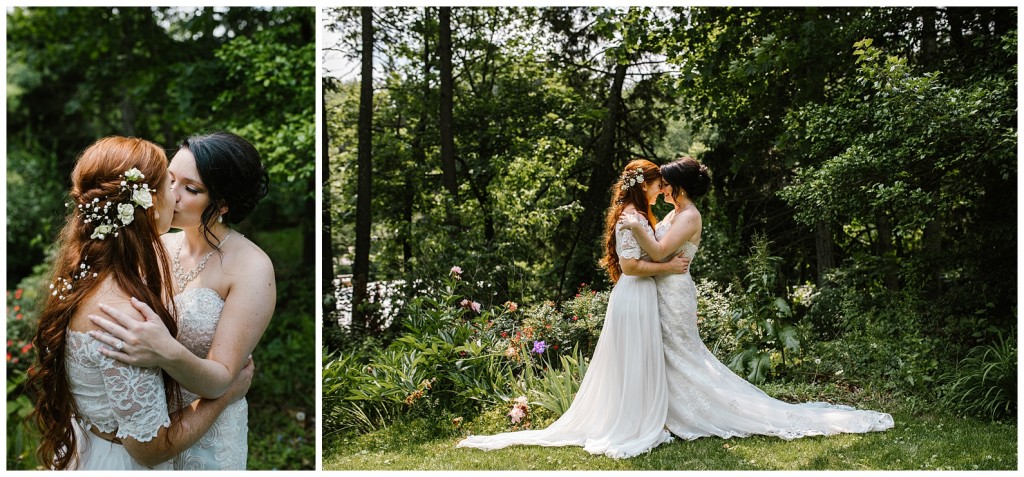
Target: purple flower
column 539, row 347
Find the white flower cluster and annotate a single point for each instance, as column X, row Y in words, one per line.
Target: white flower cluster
column 65, row 285
column 139, row 195
column 632, row 178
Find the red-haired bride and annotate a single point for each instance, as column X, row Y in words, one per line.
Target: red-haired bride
column 94, row 412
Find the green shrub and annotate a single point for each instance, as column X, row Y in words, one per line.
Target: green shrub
column 762, row 318
column 714, row 318
column 458, row 357
column 554, row 388
column 984, row 383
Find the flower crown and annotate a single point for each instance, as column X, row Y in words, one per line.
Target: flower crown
column 107, row 223
column 632, row 178
column 140, row 195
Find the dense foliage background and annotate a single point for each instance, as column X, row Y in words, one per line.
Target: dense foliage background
column 861, row 230
column 78, row 74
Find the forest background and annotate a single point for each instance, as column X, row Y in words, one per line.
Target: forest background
column 75, row 75
column 860, row 237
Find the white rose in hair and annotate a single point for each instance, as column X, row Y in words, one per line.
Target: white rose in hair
column 101, row 231
column 126, row 213
column 143, row 198
column 134, row 174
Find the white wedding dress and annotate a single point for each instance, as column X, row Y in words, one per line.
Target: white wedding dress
column 112, row 397
column 225, row 445
column 707, row 399
column 619, row 410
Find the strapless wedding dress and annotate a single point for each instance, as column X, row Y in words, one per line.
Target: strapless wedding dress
column 225, row 445
column 707, row 399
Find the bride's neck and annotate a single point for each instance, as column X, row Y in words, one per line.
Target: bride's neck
column 681, row 204
column 195, row 238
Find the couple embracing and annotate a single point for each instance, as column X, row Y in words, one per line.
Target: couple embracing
column 651, row 376
column 145, row 337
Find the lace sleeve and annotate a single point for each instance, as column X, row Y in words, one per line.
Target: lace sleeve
column 625, row 243
column 137, row 399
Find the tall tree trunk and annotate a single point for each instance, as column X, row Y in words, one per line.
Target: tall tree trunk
column 929, row 36
column 886, row 251
column 933, row 249
column 419, row 153
column 127, row 113
column 825, row 251
column 361, row 265
column 327, row 242
column 956, row 29
column 447, row 100
column 308, row 224
column 603, row 172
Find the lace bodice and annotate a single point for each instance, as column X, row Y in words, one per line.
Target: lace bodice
column 111, row 395
column 225, row 445
column 198, row 314
column 626, row 245
column 689, row 249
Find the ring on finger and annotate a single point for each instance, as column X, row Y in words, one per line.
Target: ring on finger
column 120, row 345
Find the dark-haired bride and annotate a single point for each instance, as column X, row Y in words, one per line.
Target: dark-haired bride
column 705, row 397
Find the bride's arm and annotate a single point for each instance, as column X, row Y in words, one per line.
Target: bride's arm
column 683, row 228
column 248, row 307
column 643, row 268
column 194, row 421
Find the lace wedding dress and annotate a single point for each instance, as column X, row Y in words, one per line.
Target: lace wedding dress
column 706, row 398
column 112, row 397
column 225, row 445
column 619, row 410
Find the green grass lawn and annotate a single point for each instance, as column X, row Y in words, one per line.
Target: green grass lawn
column 921, row 440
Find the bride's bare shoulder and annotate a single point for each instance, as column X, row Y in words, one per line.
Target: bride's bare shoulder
column 247, row 258
column 107, row 293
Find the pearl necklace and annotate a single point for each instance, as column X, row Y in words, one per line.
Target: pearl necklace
column 179, row 274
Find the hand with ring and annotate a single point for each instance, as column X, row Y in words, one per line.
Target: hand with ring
column 137, row 338
column 630, row 220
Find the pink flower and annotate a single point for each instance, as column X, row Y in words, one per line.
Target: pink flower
column 456, row 272
column 464, row 303
column 475, row 306
column 516, row 414
column 521, row 401
column 512, row 306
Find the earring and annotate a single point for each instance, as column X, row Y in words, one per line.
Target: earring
column 220, row 219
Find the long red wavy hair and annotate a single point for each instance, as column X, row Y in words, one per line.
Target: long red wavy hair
column 134, row 259
column 634, row 196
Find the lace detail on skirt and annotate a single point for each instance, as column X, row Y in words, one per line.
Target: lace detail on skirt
column 707, row 399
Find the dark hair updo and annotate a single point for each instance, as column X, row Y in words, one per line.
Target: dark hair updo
column 233, row 173
column 689, row 175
